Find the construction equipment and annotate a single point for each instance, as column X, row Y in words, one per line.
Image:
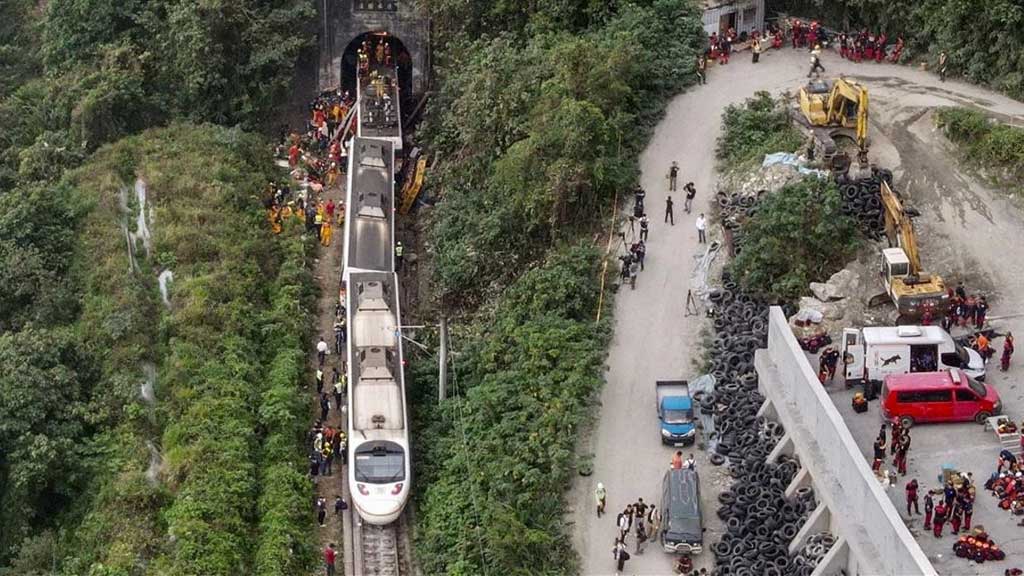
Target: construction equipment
column 837, row 109
column 912, row 291
column 413, row 184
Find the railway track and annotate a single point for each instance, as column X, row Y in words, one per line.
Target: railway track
column 381, row 550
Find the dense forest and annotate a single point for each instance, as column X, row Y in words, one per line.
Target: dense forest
column 539, row 120
column 144, row 433
column 984, row 40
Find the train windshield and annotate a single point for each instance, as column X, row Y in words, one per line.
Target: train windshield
column 380, row 463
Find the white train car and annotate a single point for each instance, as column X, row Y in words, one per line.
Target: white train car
column 379, row 465
column 378, row 433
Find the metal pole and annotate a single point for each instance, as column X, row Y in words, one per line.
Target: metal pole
column 442, row 378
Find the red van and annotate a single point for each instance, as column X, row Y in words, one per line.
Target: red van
column 947, row 396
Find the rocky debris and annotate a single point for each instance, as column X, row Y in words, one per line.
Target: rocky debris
column 824, row 291
column 842, row 284
column 827, row 310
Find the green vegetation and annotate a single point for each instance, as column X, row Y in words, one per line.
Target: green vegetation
column 227, row 357
column 80, row 73
column 984, row 40
column 797, row 236
column 538, row 124
column 81, row 328
column 996, row 148
column 757, row 127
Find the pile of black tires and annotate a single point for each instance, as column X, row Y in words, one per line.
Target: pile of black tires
column 734, row 209
column 760, row 521
column 862, row 199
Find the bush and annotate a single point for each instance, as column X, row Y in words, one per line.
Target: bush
column 757, row 127
column 997, row 148
column 495, row 459
column 540, row 131
column 797, row 236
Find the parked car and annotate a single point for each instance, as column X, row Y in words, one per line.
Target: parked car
column 682, row 526
column 675, row 411
column 946, row 396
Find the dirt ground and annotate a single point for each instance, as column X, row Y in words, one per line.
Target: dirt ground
column 967, row 232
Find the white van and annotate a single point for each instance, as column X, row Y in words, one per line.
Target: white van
column 875, row 352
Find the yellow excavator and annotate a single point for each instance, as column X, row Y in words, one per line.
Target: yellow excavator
column 912, row 291
column 837, row 109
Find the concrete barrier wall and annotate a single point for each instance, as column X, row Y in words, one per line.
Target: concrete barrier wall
column 879, row 540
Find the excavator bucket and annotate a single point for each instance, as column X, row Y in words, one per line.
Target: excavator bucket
column 879, row 299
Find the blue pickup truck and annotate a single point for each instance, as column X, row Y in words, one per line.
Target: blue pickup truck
column 675, row 411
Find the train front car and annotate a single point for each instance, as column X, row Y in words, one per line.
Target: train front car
column 379, row 467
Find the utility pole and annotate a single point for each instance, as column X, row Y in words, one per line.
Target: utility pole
column 442, row 378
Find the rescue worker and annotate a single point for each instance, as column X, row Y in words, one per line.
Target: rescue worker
column 940, row 519
column 929, row 505
column 879, row 454
column 901, row 457
column 339, row 334
column 1004, row 361
column 954, row 518
column 399, row 251
column 325, row 231
column 830, row 358
column 338, row 382
column 815, row 62
column 968, row 508
column 949, row 493
column 274, row 216
column 912, row 497
column 980, row 310
column 601, row 495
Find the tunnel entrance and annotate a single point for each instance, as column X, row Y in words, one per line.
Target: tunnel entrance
column 400, row 56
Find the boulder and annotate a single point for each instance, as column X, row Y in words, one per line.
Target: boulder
column 828, row 311
column 824, row 291
column 845, row 283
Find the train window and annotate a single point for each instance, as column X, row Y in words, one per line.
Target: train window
column 380, row 463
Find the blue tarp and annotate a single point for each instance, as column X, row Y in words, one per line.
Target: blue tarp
column 790, row 159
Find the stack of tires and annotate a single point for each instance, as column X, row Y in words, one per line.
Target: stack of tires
column 734, row 209
column 760, row 521
column 812, row 552
column 862, row 199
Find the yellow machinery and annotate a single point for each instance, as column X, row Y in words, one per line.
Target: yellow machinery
column 912, row 291
column 837, row 109
column 413, row 185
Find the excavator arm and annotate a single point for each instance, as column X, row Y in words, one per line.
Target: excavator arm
column 899, row 228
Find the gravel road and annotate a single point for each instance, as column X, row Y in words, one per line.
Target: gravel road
column 653, row 340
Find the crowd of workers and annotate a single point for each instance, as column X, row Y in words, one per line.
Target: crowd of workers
column 315, row 159
column 861, row 46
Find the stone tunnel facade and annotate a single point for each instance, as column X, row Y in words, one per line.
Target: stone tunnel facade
column 344, row 20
